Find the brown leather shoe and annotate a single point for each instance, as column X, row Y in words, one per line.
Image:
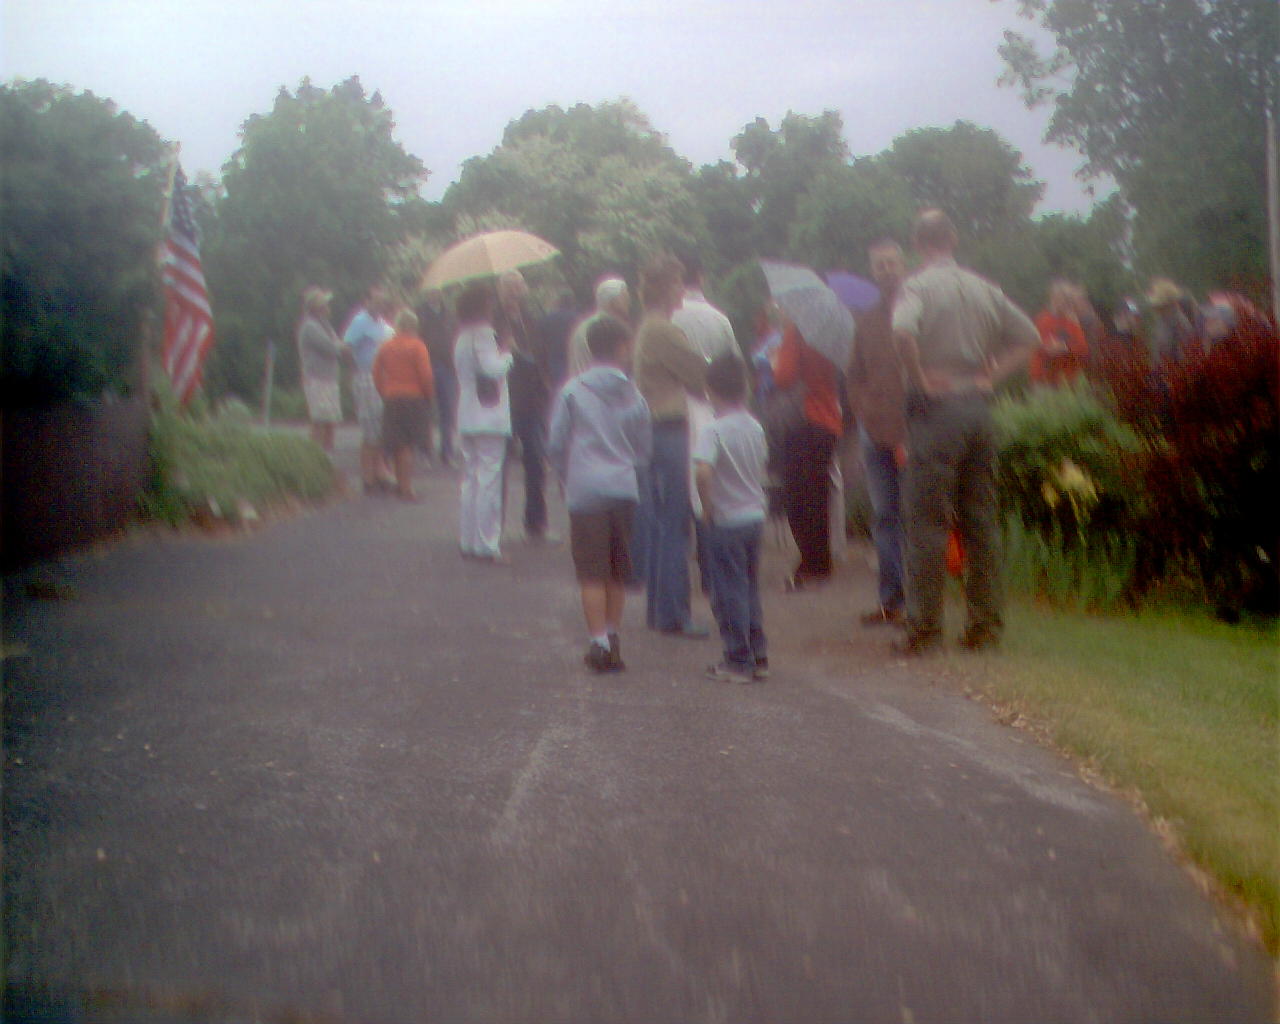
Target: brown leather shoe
column 916, row 645
column 979, row 638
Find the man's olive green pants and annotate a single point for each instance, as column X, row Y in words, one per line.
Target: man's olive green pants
column 951, row 479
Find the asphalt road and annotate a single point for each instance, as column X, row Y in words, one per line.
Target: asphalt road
column 329, row 771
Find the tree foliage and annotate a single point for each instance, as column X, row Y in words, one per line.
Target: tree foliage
column 972, row 173
column 1092, row 251
column 598, row 182
column 846, row 208
column 724, row 198
column 1168, row 97
column 781, row 166
column 318, row 193
column 80, row 192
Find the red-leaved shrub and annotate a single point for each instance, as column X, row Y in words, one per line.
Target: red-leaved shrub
column 1213, row 472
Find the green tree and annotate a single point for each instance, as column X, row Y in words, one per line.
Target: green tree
column 781, row 166
column 723, row 197
column 1092, row 251
column 971, row 173
column 598, row 182
column 846, row 209
column 80, row 193
column 1169, row 98
column 319, row 192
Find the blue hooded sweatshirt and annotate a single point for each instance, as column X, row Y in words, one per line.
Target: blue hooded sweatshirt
column 600, row 433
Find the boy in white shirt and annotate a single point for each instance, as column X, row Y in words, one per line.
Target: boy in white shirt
column 729, row 457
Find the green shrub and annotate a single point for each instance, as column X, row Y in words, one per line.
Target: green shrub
column 227, row 467
column 1097, row 573
column 1067, row 466
column 289, row 406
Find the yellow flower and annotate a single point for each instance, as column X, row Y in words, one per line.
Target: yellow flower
column 1074, row 480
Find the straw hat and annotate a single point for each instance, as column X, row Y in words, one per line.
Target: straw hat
column 315, row 297
column 1162, row 292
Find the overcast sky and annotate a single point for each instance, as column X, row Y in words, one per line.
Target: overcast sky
column 455, row 72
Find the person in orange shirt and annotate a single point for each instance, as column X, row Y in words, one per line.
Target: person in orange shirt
column 1063, row 349
column 807, row 452
column 402, row 374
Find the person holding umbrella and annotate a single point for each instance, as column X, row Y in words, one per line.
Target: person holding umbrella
column 530, row 392
column 816, row 339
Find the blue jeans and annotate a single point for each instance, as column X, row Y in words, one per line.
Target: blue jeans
column 670, row 514
column 884, row 490
column 732, row 558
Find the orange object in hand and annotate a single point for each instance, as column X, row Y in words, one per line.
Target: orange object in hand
column 955, row 553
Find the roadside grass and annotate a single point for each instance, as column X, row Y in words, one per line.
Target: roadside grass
column 1179, row 708
column 225, row 468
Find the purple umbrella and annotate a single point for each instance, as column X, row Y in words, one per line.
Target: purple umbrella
column 856, row 292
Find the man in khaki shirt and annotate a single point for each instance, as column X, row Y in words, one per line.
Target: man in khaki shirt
column 957, row 336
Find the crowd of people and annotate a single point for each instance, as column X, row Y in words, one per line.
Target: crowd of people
column 653, row 429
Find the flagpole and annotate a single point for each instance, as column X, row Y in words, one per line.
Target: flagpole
column 175, row 150
column 1273, row 211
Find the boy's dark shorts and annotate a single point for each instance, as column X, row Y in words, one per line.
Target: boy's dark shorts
column 404, row 423
column 601, row 543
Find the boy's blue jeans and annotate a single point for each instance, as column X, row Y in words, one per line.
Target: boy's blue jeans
column 733, row 567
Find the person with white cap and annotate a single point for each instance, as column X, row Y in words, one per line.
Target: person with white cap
column 612, row 299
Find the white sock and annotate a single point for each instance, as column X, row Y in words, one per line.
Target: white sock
column 601, row 641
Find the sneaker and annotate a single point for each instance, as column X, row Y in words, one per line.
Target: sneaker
column 726, row 673
column 599, row 659
column 882, row 616
column 615, row 653
column 761, row 671
column 979, row 638
column 916, row 645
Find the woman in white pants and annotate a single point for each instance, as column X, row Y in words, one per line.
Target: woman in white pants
column 484, row 422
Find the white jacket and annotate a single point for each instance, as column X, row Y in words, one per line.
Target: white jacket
column 475, row 352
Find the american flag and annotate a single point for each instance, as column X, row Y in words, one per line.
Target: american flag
column 188, row 322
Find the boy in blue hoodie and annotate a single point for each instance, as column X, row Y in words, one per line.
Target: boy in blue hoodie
column 600, row 433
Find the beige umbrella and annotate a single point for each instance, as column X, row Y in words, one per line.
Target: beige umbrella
column 486, row 255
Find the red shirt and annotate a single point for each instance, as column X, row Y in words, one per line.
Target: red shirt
column 796, row 361
column 1062, row 367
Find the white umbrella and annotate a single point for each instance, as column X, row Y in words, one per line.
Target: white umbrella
column 822, row 319
column 486, row 255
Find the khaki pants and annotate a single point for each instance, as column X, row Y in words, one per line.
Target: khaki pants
column 951, row 477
